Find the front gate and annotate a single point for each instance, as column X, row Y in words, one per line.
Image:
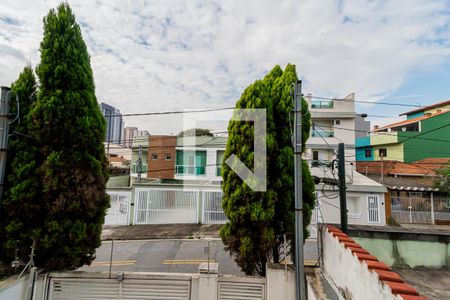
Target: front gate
column 119, row 211
column 212, row 208
column 103, row 288
column 165, row 206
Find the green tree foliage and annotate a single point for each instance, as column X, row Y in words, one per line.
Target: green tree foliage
column 70, row 166
column 195, row 132
column 258, row 220
column 19, row 204
column 442, row 181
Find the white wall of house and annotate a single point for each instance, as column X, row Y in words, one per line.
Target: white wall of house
column 210, row 169
column 358, row 206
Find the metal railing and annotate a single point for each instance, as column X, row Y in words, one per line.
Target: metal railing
column 420, row 209
column 322, row 133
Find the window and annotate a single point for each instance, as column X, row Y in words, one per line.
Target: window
column 382, row 152
column 337, row 122
column 167, row 157
column 154, row 156
column 368, row 153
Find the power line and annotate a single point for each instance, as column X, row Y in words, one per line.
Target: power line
column 369, row 102
column 173, row 112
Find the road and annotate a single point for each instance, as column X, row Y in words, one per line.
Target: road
column 181, row 256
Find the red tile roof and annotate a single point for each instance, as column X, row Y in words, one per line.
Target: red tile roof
column 446, row 102
column 410, row 121
column 393, row 280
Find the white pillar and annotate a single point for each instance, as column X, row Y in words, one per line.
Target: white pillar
column 432, row 208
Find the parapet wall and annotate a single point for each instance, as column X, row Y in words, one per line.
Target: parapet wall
column 359, row 275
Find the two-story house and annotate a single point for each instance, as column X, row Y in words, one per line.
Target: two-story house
column 424, row 134
column 199, row 157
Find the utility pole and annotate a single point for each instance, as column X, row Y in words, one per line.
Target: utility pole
column 299, row 258
column 109, row 132
column 5, row 94
column 139, row 164
column 342, row 187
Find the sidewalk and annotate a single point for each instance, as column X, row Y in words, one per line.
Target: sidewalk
column 161, row 231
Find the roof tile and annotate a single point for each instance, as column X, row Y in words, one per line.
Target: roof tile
column 401, row 288
column 388, row 276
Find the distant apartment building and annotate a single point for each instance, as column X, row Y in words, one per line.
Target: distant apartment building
column 333, row 122
column 114, row 123
column 161, row 156
column 142, row 133
column 128, row 135
column 424, row 134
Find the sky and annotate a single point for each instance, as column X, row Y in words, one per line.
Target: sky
column 152, row 56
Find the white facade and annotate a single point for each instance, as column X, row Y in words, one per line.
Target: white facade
column 333, row 122
column 202, row 158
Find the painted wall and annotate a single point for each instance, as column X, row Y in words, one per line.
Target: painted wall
column 350, row 275
column 427, row 145
column 415, row 115
column 394, row 152
column 357, row 206
column 400, row 252
column 14, row 289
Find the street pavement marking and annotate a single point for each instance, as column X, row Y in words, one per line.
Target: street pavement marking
column 114, row 263
column 186, row 261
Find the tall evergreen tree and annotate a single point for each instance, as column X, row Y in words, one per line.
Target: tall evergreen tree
column 258, row 220
column 19, row 202
column 71, row 167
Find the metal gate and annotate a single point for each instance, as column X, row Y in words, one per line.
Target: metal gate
column 373, row 209
column 103, row 288
column 212, row 208
column 411, row 209
column 165, row 206
column 119, row 211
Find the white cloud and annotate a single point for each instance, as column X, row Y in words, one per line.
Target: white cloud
column 159, row 55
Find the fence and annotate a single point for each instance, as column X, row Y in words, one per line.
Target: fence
column 174, row 286
column 165, row 205
column 119, row 210
column 420, row 209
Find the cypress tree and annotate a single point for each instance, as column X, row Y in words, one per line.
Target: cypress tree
column 70, row 166
column 19, row 203
column 258, row 220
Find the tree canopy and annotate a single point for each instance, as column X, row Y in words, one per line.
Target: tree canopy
column 258, row 220
column 66, row 198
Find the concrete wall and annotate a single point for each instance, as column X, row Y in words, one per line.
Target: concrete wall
column 410, row 253
column 280, row 282
column 349, row 275
column 13, row 288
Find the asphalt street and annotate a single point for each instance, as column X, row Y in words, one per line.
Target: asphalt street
column 177, row 255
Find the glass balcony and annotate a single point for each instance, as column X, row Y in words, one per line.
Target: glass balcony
column 322, row 133
column 190, row 170
column 322, row 104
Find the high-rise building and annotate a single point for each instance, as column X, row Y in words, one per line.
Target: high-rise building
column 114, row 123
column 129, row 134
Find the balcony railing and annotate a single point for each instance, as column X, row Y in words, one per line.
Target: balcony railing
column 321, row 163
column 322, row 133
column 322, row 104
column 190, row 170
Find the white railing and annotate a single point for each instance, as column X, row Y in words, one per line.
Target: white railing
column 165, row 206
column 420, row 209
column 119, row 211
column 212, row 208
